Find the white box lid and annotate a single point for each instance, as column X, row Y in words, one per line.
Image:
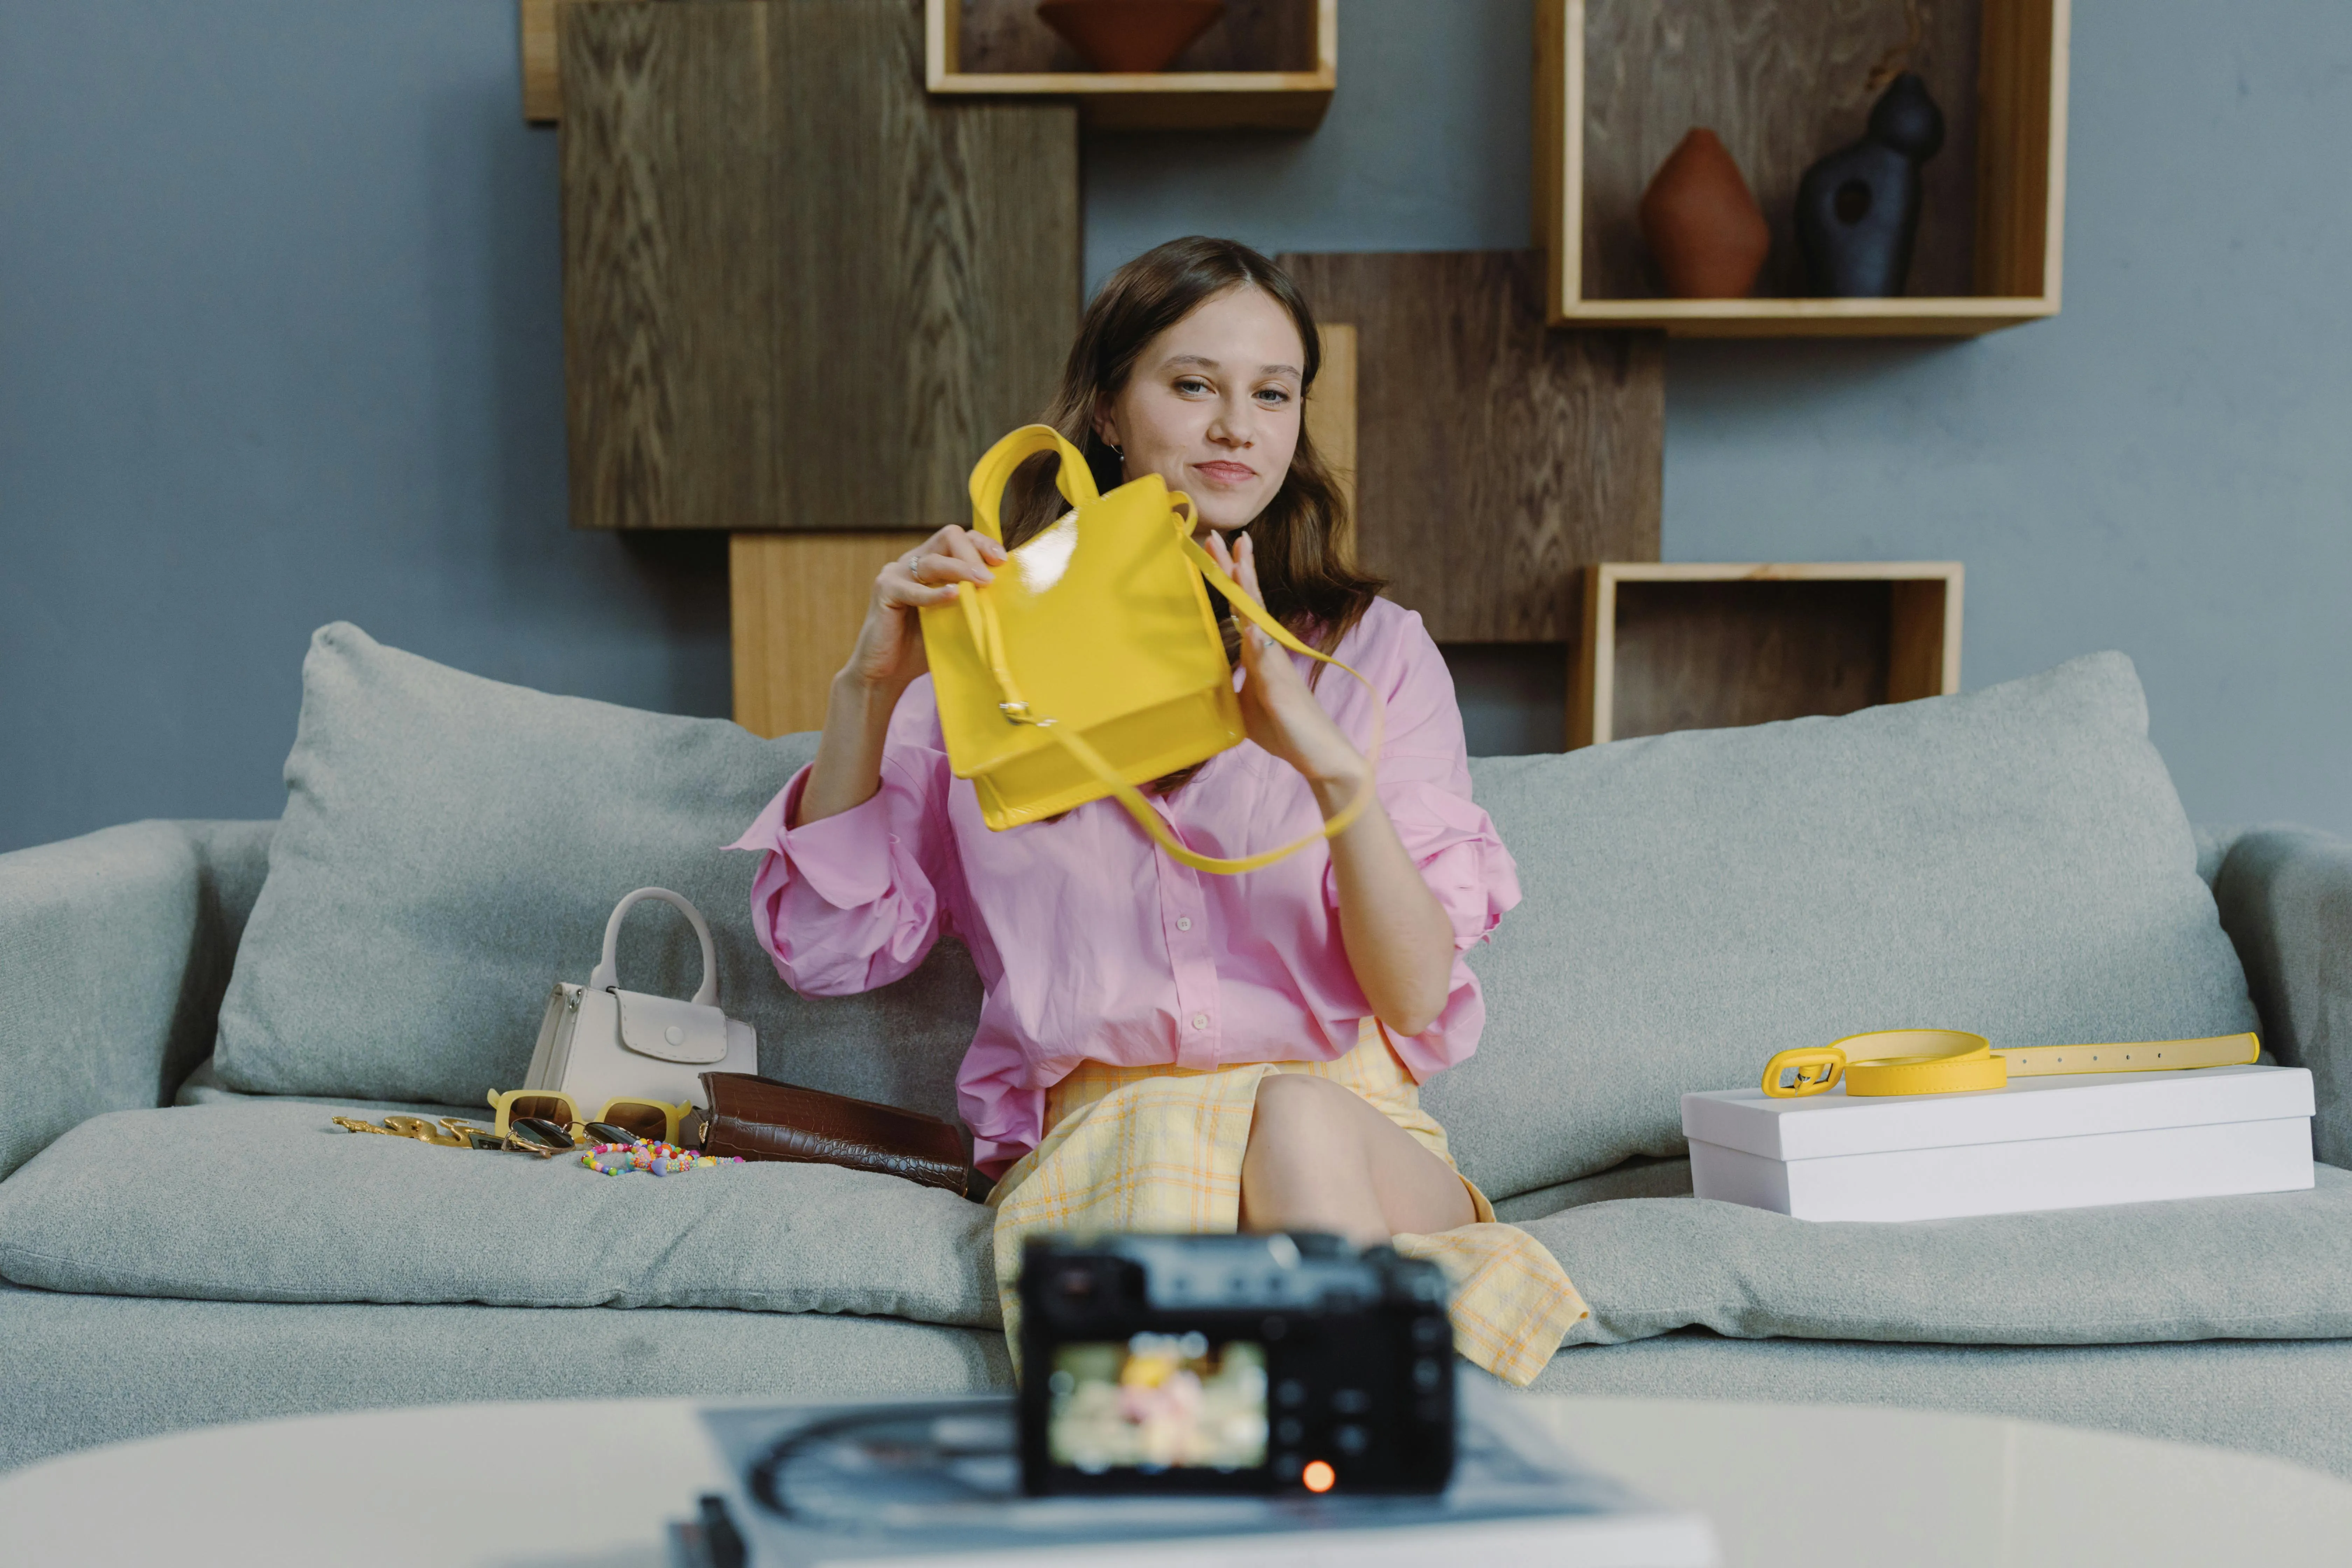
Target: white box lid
column 2060, row 1106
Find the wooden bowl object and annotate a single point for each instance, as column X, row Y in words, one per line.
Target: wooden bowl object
column 1130, row 35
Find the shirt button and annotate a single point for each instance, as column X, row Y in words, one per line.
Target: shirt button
column 1183, row 923
column 1200, row 1020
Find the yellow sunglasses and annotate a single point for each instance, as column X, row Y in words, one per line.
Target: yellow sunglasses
column 650, row 1118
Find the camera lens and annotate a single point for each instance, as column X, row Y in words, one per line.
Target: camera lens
column 1076, row 1284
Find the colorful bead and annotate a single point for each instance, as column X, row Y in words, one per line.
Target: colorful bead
column 654, row 1159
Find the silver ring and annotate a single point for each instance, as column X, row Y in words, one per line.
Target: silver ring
column 914, row 565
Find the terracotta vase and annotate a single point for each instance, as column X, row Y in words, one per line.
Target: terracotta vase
column 1702, row 222
column 1130, row 34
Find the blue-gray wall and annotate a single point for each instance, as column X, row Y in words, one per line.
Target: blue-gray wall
column 279, row 342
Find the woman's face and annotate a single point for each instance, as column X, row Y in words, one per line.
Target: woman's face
column 1212, row 406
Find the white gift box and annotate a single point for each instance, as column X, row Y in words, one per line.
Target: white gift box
column 2054, row 1142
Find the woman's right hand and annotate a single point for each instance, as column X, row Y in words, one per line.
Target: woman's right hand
column 889, row 651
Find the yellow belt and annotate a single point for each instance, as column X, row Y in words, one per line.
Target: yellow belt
column 1952, row 1061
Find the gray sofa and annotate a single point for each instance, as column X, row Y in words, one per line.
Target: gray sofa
column 185, row 1239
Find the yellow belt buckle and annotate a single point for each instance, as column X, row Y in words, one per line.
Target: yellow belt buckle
column 1813, row 1069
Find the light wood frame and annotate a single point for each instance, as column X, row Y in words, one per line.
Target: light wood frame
column 1162, row 101
column 1188, row 100
column 1922, row 636
column 542, row 73
column 2020, row 196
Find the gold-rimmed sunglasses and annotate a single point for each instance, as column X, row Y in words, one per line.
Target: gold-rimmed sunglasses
column 655, row 1121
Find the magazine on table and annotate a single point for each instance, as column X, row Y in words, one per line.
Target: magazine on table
column 937, row 1482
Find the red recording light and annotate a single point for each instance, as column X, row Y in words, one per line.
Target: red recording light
column 1318, row 1476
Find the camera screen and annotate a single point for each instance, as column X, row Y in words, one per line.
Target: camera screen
column 1157, row 1402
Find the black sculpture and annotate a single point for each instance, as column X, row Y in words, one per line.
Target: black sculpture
column 1858, row 209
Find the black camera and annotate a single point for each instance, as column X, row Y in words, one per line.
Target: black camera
column 1232, row 1363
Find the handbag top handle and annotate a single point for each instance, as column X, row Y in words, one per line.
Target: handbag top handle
column 994, row 471
column 1077, row 483
column 605, row 976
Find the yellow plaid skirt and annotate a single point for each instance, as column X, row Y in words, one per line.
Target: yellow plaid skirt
column 1160, row 1148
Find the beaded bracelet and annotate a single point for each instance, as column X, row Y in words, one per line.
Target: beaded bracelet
column 654, row 1159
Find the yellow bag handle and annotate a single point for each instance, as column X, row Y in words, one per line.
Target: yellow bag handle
column 1075, row 481
column 994, row 471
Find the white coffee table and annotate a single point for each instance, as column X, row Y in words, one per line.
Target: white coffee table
column 590, row 1483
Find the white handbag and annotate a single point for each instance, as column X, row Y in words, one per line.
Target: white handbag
column 599, row 1043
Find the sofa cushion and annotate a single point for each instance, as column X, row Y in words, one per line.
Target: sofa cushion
column 108, row 1369
column 2271, row 1266
column 269, row 1203
column 264, row 1202
column 451, row 846
column 2014, row 862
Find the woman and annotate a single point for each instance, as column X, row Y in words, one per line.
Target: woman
column 1161, row 1050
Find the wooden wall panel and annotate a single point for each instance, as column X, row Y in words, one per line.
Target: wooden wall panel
column 1330, row 414
column 1783, row 82
column 1495, row 457
column 798, row 291
column 798, row 600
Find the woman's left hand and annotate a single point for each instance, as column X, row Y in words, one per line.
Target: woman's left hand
column 1278, row 708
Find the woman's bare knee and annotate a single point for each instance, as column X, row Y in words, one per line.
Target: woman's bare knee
column 1305, row 1168
column 1297, row 1102
column 1317, row 1136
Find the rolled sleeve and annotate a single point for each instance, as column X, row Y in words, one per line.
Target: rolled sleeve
column 1475, row 880
column 1461, row 857
column 851, row 901
column 1423, row 773
column 1423, row 785
column 836, row 856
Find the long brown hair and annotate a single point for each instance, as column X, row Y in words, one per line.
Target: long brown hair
column 1303, row 570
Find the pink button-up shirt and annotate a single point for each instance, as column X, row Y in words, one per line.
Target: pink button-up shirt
column 1092, row 944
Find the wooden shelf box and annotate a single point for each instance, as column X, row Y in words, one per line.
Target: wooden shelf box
column 1678, row 645
column 1618, row 83
column 1267, row 64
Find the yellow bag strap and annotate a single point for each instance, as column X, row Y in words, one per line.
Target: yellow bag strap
column 1139, row 808
column 1075, row 481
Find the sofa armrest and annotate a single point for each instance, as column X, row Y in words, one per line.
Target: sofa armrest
column 2285, row 898
column 115, row 950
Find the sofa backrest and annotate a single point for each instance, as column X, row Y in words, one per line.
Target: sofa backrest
column 2014, row 862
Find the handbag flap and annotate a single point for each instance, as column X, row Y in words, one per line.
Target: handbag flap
column 1101, row 617
column 669, row 1029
